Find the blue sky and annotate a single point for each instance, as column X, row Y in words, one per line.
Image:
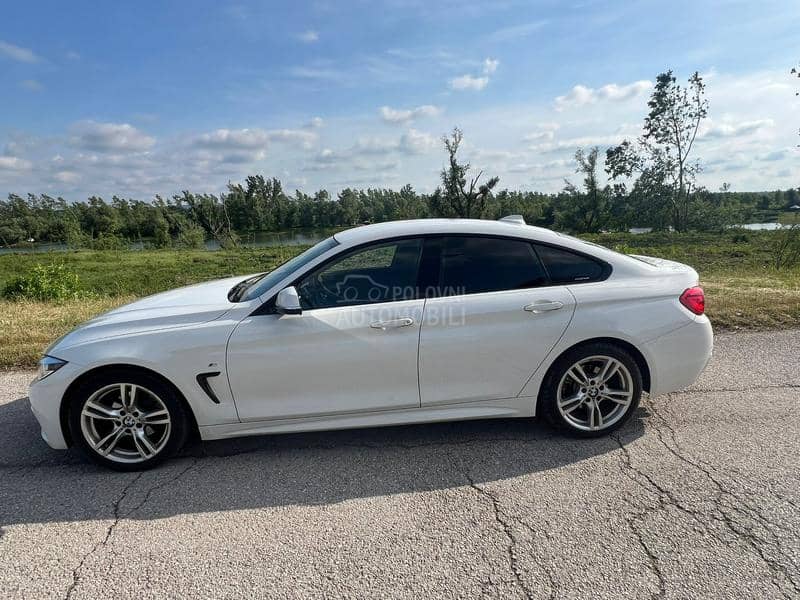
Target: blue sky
column 154, row 97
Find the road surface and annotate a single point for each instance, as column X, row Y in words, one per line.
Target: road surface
column 698, row 496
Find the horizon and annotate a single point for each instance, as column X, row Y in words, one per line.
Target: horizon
column 141, row 100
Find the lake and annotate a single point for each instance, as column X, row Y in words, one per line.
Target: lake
column 304, row 237
column 252, row 239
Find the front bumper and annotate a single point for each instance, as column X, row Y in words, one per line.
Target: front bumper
column 678, row 358
column 45, row 396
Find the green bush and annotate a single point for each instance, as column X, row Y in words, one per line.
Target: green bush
column 45, row 282
column 109, row 241
column 192, row 237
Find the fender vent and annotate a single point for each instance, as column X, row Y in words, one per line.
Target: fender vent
column 202, row 381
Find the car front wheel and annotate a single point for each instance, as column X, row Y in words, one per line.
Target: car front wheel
column 127, row 421
column 591, row 390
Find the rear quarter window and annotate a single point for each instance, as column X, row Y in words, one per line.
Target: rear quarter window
column 565, row 266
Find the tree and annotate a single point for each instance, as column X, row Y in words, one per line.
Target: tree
column 587, row 210
column 456, row 198
column 661, row 157
column 210, row 212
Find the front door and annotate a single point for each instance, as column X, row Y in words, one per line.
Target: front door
column 353, row 348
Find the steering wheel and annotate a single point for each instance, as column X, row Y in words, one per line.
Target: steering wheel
column 315, row 294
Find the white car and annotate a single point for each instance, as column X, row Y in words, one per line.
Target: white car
column 400, row 322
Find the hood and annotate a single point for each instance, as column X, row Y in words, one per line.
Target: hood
column 181, row 307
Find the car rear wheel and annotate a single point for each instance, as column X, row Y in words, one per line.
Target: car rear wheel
column 127, row 421
column 591, row 390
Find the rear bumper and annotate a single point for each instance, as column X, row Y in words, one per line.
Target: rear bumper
column 677, row 358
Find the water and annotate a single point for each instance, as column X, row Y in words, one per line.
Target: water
column 761, row 226
column 303, row 237
column 253, row 239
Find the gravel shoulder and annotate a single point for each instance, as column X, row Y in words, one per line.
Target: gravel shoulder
column 697, row 496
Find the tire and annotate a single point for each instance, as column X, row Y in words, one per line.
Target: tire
column 575, row 409
column 149, row 427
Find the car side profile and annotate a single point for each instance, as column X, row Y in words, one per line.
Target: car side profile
column 392, row 323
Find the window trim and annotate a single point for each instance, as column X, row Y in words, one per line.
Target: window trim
column 604, row 274
column 424, row 276
column 268, row 307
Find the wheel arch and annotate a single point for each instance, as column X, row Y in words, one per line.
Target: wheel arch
column 66, row 401
column 635, row 353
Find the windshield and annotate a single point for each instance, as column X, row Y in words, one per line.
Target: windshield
column 261, row 283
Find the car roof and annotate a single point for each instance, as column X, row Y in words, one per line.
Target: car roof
column 392, row 229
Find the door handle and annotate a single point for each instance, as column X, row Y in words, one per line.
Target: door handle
column 393, row 324
column 541, row 306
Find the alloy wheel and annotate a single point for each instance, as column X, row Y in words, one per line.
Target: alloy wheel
column 125, row 423
column 595, row 393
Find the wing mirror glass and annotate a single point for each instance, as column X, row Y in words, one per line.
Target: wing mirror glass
column 288, row 301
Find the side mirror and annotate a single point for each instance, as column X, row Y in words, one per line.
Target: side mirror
column 288, row 301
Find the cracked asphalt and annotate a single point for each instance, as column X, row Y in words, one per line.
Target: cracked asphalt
column 698, row 496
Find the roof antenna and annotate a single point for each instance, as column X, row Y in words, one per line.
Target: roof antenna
column 517, row 219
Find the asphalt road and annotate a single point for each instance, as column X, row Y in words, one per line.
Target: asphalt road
column 698, row 496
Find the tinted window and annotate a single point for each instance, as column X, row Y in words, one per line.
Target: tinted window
column 261, row 284
column 567, row 267
column 378, row 273
column 470, row 265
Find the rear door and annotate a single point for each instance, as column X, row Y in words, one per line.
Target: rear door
column 490, row 319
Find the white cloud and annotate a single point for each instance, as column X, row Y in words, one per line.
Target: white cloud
column 17, row 53
column 31, row 85
column 301, row 137
column 468, row 82
column 233, row 138
column 13, row 163
column 308, row 37
column 573, row 143
column 476, row 83
column 581, row 95
column 314, row 123
column 490, row 66
column 546, row 132
column 411, row 143
column 396, row 115
column 319, row 73
column 515, row 32
column 66, row 176
column 736, row 129
column 110, row 137
column 417, row 142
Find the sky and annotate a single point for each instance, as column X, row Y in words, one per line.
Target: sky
column 145, row 98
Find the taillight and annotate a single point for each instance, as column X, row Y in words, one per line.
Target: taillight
column 694, row 299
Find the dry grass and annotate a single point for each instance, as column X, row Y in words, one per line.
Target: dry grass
column 28, row 327
column 752, row 303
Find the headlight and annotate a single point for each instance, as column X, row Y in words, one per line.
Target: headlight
column 49, row 364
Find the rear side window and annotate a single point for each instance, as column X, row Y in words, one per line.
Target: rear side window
column 471, row 265
column 564, row 266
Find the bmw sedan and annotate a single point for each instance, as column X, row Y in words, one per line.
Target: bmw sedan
column 393, row 323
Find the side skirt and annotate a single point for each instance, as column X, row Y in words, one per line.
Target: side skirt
column 489, row 409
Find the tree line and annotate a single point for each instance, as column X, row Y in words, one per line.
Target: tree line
column 652, row 183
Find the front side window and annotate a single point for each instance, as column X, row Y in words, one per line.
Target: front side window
column 564, row 266
column 471, row 265
column 385, row 272
column 262, row 283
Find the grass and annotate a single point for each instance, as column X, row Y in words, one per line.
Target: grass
column 144, row 272
column 28, row 327
column 743, row 290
